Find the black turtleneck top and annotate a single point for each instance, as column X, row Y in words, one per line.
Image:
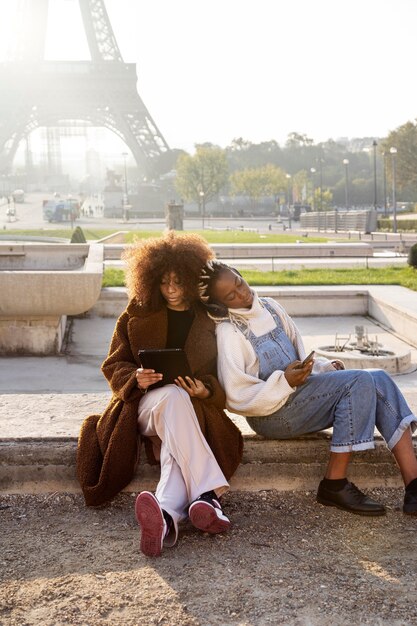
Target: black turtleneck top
column 179, row 324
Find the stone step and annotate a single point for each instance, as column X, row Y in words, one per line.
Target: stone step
column 38, row 442
column 48, row 465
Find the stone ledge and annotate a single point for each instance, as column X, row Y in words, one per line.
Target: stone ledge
column 45, row 465
column 113, row 251
column 392, row 306
column 40, row 285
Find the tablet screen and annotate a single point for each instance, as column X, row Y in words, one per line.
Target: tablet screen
column 171, row 362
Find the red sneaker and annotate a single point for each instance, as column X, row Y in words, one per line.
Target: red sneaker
column 206, row 514
column 152, row 524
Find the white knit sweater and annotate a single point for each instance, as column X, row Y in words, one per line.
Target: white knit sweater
column 238, row 366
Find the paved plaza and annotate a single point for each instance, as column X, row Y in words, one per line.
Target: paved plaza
column 286, row 560
column 77, row 373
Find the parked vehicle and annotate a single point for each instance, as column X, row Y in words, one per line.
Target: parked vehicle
column 18, row 195
column 58, row 210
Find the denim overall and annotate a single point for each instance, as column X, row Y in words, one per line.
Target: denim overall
column 353, row 402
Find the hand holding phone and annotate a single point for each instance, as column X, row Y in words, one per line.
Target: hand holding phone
column 308, row 358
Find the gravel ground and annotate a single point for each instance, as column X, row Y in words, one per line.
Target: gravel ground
column 286, row 560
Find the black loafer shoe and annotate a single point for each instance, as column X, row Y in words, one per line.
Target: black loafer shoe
column 350, row 498
column 410, row 503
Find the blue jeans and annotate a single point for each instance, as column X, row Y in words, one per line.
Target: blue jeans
column 353, row 402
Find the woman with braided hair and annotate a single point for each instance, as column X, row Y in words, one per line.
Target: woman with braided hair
column 261, row 368
column 183, row 425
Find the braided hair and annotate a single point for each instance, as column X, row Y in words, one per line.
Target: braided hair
column 209, row 275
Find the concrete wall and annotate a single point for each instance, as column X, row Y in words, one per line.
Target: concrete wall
column 298, row 301
column 398, row 315
column 41, row 336
column 52, row 291
column 113, row 251
column 392, row 306
column 319, row 301
column 43, row 256
column 283, row 250
column 40, row 284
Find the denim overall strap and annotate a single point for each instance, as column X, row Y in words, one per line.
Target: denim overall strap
column 244, row 328
column 272, row 311
column 274, row 349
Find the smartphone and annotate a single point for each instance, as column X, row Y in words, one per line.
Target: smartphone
column 308, row 358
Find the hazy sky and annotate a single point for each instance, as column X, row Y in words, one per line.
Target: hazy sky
column 214, row 70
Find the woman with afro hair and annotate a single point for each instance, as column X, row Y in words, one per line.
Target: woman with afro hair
column 183, row 425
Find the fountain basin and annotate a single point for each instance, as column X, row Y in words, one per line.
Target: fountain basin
column 41, row 284
column 392, row 362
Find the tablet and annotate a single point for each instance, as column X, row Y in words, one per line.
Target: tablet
column 171, row 362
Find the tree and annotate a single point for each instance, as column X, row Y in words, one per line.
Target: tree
column 404, row 138
column 268, row 180
column 323, row 201
column 298, row 140
column 165, row 162
column 300, row 189
column 238, row 143
column 202, row 176
column 243, row 154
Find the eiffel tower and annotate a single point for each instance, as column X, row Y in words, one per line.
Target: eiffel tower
column 101, row 92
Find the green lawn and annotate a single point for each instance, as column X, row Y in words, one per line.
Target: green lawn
column 64, row 233
column 404, row 276
column 212, row 236
column 234, row 236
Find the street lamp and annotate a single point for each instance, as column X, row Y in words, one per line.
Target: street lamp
column 346, row 164
column 384, row 155
column 393, row 152
column 374, row 145
column 125, row 199
column 288, row 177
column 203, row 207
column 321, row 184
column 321, row 193
column 313, row 171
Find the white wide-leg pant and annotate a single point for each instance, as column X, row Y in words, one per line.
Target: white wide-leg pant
column 188, row 466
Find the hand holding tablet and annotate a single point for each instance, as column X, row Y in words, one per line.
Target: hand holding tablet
column 171, row 363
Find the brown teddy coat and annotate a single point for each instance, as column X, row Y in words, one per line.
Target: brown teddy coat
column 109, row 444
